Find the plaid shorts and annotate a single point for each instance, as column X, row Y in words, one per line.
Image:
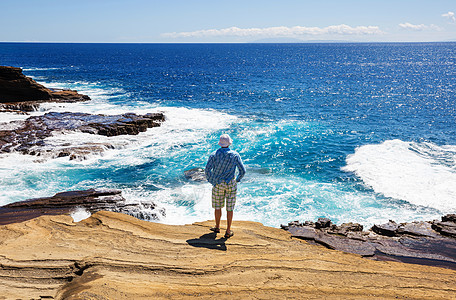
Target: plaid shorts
column 223, row 191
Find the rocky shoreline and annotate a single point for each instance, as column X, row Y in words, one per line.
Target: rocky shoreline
column 115, row 256
column 46, row 254
column 427, row 243
column 29, row 136
column 21, row 94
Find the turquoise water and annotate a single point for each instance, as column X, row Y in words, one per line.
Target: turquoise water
column 353, row 132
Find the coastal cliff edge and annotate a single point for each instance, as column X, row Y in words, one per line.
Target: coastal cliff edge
column 115, row 256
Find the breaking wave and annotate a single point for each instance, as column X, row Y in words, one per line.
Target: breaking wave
column 421, row 173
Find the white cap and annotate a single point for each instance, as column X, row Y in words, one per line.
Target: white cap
column 225, row 140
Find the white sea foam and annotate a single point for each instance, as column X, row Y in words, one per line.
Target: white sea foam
column 274, row 200
column 185, row 130
column 420, row 173
column 21, row 177
column 182, row 127
column 94, row 90
column 79, row 214
column 184, row 204
column 39, row 69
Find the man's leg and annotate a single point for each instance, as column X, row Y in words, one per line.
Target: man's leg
column 229, row 220
column 230, row 203
column 218, row 216
column 218, row 202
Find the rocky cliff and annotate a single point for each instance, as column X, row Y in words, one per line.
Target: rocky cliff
column 19, row 92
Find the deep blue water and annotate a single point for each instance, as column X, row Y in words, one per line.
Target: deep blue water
column 355, row 132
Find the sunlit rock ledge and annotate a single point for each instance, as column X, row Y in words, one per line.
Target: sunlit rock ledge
column 82, row 201
column 116, row 256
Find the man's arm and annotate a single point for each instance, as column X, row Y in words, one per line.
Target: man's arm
column 208, row 169
column 241, row 168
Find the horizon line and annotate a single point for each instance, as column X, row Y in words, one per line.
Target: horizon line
column 251, row 42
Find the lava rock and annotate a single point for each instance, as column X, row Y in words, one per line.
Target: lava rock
column 388, row 229
column 346, row 227
column 92, row 200
column 304, row 232
column 417, row 229
column 416, row 242
column 345, row 244
column 322, row 223
column 449, row 218
column 20, row 92
column 28, row 137
column 445, row 228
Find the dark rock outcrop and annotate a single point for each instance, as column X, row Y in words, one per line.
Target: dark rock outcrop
column 431, row 243
column 388, row 229
column 29, row 136
column 322, row 223
column 21, row 93
column 92, row 200
column 447, row 227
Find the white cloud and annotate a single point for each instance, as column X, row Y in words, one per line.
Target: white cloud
column 450, row 15
column 419, row 27
column 281, row 31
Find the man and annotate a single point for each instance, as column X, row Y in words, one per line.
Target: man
column 220, row 172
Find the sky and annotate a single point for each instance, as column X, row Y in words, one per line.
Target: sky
column 229, row 21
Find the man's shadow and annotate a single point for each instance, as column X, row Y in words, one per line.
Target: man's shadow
column 208, row 241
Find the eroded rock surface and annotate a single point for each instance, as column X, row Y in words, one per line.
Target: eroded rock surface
column 92, row 200
column 21, row 93
column 431, row 243
column 115, row 256
column 28, row 137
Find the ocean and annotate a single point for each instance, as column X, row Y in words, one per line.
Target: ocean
column 362, row 132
